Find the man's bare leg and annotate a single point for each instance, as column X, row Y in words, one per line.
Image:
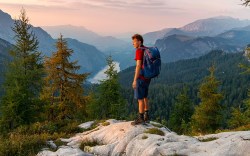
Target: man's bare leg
column 146, row 106
column 141, row 106
column 146, row 109
column 140, row 119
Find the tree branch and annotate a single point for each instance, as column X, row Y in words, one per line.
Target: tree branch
column 246, row 2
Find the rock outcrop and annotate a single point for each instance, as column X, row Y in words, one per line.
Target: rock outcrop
column 120, row 138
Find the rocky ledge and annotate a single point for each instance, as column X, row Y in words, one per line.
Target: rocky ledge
column 120, row 138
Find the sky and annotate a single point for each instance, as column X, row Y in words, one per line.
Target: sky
column 109, row 17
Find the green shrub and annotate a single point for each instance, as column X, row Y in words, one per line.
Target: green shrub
column 155, row 131
column 59, row 142
column 144, row 137
column 243, row 128
column 105, row 123
column 71, row 127
column 89, row 143
column 28, row 140
column 207, row 139
column 157, row 125
column 22, row 145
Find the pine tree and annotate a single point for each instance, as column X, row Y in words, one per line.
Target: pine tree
column 181, row 114
column 238, row 118
column 22, row 85
column 207, row 116
column 63, row 88
column 108, row 102
column 247, row 107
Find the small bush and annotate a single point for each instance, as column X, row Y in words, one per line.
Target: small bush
column 28, row 140
column 105, row 123
column 59, row 142
column 243, row 128
column 70, row 128
column 22, row 145
column 25, row 144
column 89, row 143
column 207, row 139
column 157, row 125
column 155, row 131
column 144, row 137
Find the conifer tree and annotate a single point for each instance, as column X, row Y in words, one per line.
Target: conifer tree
column 247, row 107
column 63, row 88
column 207, row 116
column 181, row 114
column 108, row 102
column 238, row 118
column 22, row 85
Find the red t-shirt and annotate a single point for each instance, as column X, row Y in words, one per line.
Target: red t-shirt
column 139, row 56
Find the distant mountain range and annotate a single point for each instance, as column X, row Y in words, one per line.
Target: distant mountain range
column 204, row 27
column 178, row 47
column 213, row 26
column 151, row 37
column 90, row 59
column 88, row 56
column 77, row 32
column 190, row 41
column 106, row 44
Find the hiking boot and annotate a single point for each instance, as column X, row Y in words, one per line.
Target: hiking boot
column 138, row 120
column 146, row 117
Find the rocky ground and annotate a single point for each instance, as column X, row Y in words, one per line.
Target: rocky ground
column 120, row 138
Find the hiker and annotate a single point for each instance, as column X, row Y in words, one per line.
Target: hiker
column 140, row 83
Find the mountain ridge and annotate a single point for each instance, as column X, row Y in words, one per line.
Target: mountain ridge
column 47, row 45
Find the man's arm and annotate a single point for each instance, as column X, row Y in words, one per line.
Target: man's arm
column 137, row 72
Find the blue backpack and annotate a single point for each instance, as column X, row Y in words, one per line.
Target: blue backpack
column 151, row 62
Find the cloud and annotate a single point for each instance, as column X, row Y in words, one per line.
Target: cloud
column 127, row 4
column 130, row 5
column 36, row 6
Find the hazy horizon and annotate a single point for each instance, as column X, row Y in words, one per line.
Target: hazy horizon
column 109, row 17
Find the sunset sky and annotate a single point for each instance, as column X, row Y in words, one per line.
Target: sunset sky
column 108, row 17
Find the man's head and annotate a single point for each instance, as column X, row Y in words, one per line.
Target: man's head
column 137, row 40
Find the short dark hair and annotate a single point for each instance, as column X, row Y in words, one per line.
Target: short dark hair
column 138, row 37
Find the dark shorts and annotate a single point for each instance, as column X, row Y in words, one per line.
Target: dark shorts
column 141, row 90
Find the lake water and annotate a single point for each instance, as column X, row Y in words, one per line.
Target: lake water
column 101, row 76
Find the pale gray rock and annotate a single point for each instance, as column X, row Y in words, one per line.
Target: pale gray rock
column 86, row 125
column 120, row 138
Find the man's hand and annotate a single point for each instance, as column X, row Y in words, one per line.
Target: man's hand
column 134, row 84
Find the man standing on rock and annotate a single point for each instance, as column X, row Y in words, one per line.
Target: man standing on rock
column 140, row 83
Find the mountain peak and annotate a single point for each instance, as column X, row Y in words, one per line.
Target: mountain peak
column 222, row 17
column 2, row 12
column 78, row 32
column 214, row 25
column 4, row 17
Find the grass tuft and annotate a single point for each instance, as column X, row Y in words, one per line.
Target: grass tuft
column 105, row 123
column 89, row 143
column 155, row 131
column 144, row 137
column 207, row 139
column 157, row 125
